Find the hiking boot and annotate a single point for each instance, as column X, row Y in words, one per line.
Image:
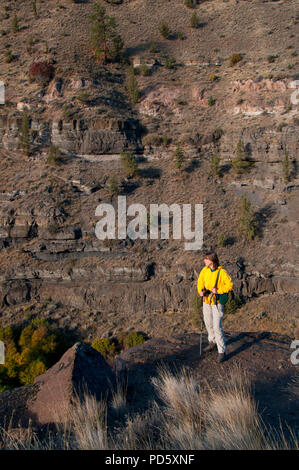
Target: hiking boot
column 221, row 357
column 210, row 347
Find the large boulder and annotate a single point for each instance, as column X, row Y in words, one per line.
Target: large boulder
column 80, row 369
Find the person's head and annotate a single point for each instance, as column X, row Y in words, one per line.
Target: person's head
column 211, row 260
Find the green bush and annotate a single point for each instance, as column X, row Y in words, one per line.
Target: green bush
column 211, row 101
column 214, row 165
column 190, row 3
column 129, row 163
column 112, row 185
column 196, row 309
column 164, row 30
column 178, row 157
column 132, row 339
column 232, row 304
column 170, row 62
column 194, row 21
column 222, row 239
column 153, row 48
column 9, row 57
column 105, row 346
column 54, row 155
column 234, row 59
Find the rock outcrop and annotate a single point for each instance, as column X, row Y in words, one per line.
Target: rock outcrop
column 80, row 369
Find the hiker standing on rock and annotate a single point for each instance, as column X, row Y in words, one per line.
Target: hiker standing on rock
column 213, row 285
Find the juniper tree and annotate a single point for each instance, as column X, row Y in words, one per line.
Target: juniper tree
column 247, row 223
column 112, row 185
column 178, row 157
column 129, row 164
column 103, row 39
column 241, row 163
column 53, row 155
column 214, row 165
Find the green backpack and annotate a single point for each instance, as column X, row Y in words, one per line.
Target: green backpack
column 221, row 298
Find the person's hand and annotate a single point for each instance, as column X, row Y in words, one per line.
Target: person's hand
column 201, row 293
column 214, row 290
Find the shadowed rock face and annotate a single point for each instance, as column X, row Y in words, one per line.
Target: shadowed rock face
column 80, row 368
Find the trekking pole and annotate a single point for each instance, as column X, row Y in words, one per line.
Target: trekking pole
column 200, row 340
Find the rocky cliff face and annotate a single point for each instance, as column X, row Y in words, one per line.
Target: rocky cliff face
column 191, row 96
column 83, row 136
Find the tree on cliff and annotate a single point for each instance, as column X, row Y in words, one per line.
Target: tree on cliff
column 104, row 40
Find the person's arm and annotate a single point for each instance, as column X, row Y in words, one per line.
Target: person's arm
column 200, row 281
column 226, row 283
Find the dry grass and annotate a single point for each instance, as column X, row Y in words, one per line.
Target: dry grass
column 88, row 422
column 190, row 417
column 119, row 398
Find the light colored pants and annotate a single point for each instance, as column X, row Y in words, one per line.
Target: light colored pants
column 212, row 315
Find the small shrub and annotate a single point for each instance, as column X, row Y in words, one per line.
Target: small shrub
column 9, row 57
column 15, row 24
column 144, row 69
column 54, row 155
column 211, row 101
column 170, row 62
column 164, row 30
column 153, row 48
column 214, row 165
column 112, row 185
column 132, row 339
column 222, row 240
column 190, row 3
column 271, row 58
column 232, row 305
column 178, row 157
column 42, row 72
column 105, row 346
column 129, row 163
column 196, row 310
column 194, row 21
column 117, row 46
column 213, row 77
column 234, row 59
column 84, row 97
column 166, row 140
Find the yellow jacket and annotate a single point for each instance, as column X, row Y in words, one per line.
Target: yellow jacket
column 207, row 279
